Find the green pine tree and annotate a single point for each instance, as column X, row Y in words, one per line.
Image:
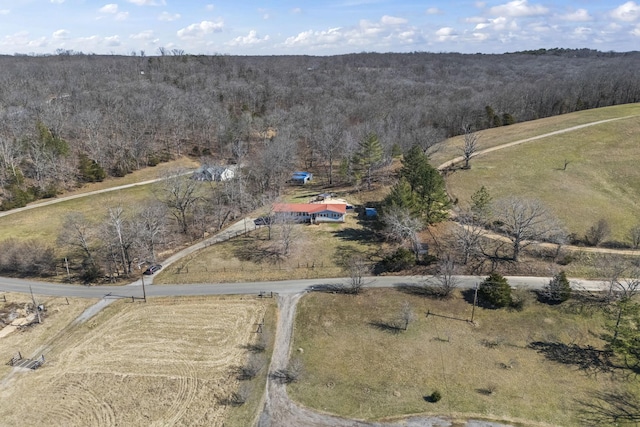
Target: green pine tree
column 427, row 184
column 368, row 158
column 495, row 290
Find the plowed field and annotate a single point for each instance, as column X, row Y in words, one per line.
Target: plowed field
column 166, row 362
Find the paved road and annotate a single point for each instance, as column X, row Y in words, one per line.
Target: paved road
column 280, row 287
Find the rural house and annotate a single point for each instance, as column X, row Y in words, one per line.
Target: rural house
column 311, row 212
column 214, row 173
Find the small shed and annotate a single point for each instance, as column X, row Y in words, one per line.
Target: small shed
column 370, row 212
column 301, row 178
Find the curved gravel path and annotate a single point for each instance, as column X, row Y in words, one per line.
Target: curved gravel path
column 460, row 159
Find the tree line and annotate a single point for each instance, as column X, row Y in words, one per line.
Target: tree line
column 69, row 119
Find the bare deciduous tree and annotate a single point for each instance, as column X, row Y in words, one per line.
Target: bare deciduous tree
column 285, row 224
column 468, row 237
column 525, row 221
column 634, row 236
column 400, row 225
column 406, row 315
column 150, row 226
column 444, row 281
column 357, row 267
column 598, row 232
column 179, row 193
column 77, row 232
column 470, row 146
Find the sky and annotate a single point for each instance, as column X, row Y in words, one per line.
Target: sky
column 314, row 27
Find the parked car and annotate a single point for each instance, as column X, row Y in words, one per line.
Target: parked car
column 152, row 269
column 263, row 220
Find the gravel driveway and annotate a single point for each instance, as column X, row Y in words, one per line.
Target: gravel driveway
column 280, row 411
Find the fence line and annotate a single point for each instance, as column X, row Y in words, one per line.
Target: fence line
column 185, row 269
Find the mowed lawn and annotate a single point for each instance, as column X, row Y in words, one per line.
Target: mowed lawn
column 601, row 180
column 356, row 365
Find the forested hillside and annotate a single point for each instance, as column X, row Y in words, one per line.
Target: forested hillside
column 68, row 119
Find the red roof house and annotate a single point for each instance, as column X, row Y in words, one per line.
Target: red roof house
column 310, row 212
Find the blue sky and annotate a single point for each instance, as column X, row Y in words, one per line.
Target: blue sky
column 315, row 27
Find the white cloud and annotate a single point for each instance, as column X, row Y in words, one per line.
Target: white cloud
column 392, row 20
column 580, row 15
column 147, row 2
column 636, row 31
column 498, row 24
column 582, row 31
column 167, row 17
column 61, row 34
column 388, row 32
column 109, row 8
column 4, row 11
column 142, row 35
column 296, row 11
column 480, row 36
column 198, row 30
column 315, row 38
column 446, row 34
column 518, row 8
column 476, row 20
column 250, row 39
column 628, row 12
column 112, row 41
column 122, row 16
column 210, row 7
column 57, row 1
column 433, row 11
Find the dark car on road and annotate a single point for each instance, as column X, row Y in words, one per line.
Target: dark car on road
column 152, row 269
column 263, row 220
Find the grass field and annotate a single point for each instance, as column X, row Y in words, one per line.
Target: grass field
column 171, row 361
column 358, row 365
column 44, row 223
column 600, row 181
column 317, row 252
column 488, row 138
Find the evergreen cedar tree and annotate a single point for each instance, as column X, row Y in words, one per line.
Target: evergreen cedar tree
column 420, row 189
column 495, row 290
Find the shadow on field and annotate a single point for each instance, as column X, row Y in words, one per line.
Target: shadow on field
column 610, row 408
column 357, row 235
column 427, row 291
column 329, row 288
column 586, row 358
column 386, row 327
column 256, row 253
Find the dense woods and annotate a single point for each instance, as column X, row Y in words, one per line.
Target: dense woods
column 72, row 118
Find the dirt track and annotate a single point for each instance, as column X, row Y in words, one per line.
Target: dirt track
column 280, row 411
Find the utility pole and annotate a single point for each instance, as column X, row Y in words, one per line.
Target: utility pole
column 475, row 301
column 144, row 293
column 35, row 306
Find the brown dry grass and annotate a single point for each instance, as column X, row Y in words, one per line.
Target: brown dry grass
column 452, row 148
column 357, row 367
column 317, row 252
column 44, row 223
column 167, row 362
column 601, row 180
